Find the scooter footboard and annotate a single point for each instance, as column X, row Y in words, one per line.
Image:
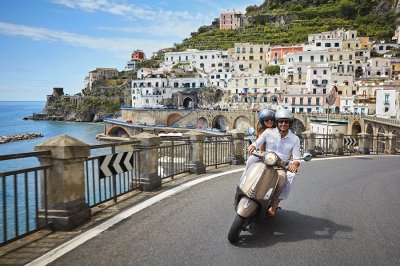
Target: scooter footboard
column 246, row 207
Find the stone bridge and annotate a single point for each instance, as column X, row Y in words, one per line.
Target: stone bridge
column 175, row 120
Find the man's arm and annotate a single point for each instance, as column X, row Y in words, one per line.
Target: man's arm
column 296, row 156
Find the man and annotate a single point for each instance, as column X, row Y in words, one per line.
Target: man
column 286, row 145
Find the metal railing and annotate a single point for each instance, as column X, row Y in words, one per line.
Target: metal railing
column 217, row 150
column 173, row 158
column 100, row 189
column 23, row 209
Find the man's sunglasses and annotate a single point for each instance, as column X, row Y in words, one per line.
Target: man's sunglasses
column 282, row 121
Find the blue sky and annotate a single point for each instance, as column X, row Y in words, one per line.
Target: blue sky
column 55, row 43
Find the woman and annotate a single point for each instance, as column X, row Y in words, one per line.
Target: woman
column 266, row 119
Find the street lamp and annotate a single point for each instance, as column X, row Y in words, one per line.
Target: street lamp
column 330, row 100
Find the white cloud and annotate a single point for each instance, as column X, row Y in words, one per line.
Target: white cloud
column 118, row 46
column 127, row 10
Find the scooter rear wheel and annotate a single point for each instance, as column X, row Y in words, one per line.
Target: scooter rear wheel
column 236, row 228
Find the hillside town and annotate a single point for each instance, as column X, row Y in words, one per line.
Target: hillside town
column 255, row 76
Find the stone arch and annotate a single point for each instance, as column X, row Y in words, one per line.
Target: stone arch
column 355, row 128
column 369, row 129
column 188, row 102
column 118, row 132
column 173, row 118
column 220, row 122
column 242, row 123
column 298, row 127
column 202, row 123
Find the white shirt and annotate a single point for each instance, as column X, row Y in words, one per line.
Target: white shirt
column 284, row 147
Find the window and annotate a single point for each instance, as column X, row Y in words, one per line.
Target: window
column 386, row 98
column 321, row 58
column 309, row 100
column 327, row 44
column 265, row 81
column 261, row 49
column 300, row 59
column 336, row 44
column 312, row 58
column 243, row 50
column 238, row 50
column 301, row 101
column 317, row 101
column 331, row 58
column 293, row 101
column 318, row 44
column 251, row 50
column 255, row 81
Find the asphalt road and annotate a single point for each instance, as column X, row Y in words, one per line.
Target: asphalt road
column 340, row 212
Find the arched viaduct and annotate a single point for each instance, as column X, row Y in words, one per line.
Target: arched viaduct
column 229, row 120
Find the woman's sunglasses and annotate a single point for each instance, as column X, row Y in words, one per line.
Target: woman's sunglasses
column 269, row 119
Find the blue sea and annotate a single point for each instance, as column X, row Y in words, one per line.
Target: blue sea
column 11, row 123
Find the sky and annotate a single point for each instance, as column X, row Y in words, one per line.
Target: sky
column 55, row 43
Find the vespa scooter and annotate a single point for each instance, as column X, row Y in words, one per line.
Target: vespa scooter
column 256, row 190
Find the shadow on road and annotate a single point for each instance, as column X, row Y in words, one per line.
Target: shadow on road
column 290, row 226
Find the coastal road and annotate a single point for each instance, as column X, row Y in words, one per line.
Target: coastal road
column 341, row 211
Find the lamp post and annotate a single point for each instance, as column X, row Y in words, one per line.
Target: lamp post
column 330, row 100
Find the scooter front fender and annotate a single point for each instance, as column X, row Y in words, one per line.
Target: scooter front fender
column 246, row 207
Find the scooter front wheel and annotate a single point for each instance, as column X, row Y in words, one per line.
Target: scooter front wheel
column 236, row 229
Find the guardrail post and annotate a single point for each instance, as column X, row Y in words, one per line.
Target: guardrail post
column 390, row 145
column 196, row 163
column 364, row 140
column 237, row 146
column 309, row 142
column 148, row 160
column 66, row 203
column 338, row 143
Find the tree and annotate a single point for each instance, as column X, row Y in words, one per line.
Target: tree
column 272, row 70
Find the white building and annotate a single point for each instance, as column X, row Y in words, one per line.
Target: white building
column 206, row 60
column 388, row 103
column 378, row 67
column 151, row 91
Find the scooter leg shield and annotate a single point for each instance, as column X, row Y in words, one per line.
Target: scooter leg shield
column 246, row 207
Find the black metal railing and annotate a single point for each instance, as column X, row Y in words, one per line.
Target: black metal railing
column 377, row 144
column 173, row 158
column 101, row 188
column 217, row 150
column 23, row 201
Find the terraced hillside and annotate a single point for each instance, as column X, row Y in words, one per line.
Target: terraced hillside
column 289, row 22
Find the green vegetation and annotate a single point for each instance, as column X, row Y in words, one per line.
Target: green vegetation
column 302, row 17
column 272, row 70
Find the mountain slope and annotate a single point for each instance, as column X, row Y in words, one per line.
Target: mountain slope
column 289, row 22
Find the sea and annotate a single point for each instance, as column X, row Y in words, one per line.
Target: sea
column 12, row 122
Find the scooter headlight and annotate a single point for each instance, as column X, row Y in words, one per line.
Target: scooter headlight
column 271, row 158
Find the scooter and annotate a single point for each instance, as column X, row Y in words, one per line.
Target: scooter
column 256, row 190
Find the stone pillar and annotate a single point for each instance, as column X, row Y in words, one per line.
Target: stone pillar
column 148, row 160
column 238, row 145
column 390, row 143
column 364, row 143
column 196, row 163
column 309, row 142
column 338, row 139
column 66, row 203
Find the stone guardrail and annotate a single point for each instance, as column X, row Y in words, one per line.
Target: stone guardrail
column 66, row 158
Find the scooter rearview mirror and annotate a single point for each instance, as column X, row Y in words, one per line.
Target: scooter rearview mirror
column 307, row 156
